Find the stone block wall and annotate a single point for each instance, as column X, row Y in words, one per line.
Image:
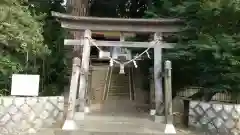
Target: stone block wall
column 215, row 118
column 29, row 114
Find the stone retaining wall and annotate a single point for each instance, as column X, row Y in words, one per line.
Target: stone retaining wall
column 215, row 118
column 29, row 114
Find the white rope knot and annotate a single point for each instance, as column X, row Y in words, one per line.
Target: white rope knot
column 121, row 69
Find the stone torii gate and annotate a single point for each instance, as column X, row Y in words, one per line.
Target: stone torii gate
column 87, row 24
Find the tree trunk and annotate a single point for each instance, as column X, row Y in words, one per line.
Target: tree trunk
column 77, row 8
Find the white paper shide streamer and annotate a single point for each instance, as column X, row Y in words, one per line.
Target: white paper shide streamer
column 111, row 62
column 121, row 69
column 135, row 64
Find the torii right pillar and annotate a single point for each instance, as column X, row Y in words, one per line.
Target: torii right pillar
column 159, row 98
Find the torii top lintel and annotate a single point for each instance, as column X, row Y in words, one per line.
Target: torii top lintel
column 118, row 24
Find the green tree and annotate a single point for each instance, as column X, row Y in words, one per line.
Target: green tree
column 208, row 50
column 21, row 41
column 54, row 68
column 119, row 8
column 28, row 33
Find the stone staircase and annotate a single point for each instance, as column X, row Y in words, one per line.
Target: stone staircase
column 98, row 77
column 119, row 86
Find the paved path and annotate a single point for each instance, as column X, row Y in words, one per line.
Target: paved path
column 124, row 116
column 116, row 117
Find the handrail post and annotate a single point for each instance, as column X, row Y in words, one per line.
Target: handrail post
column 69, row 123
column 169, row 129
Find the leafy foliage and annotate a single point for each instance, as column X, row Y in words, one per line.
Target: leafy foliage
column 119, row 8
column 208, row 50
column 20, row 36
column 31, row 41
column 54, row 68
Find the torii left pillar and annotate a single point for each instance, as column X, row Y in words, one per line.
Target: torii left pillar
column 159, row 102
column 83, row 84
column 78, row 74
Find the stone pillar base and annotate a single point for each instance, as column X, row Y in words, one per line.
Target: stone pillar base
column 79, row 116
column 159, row 119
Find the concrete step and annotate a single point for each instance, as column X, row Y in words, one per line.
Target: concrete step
column 118, row 97
column 120, row 85
column 131, row 119
column 119, row 80
column 80, row 132
column 118, row 89
column 119, row 105
column 118, row 94
column 119, row 124
column 112, row 95
column 120, row 128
